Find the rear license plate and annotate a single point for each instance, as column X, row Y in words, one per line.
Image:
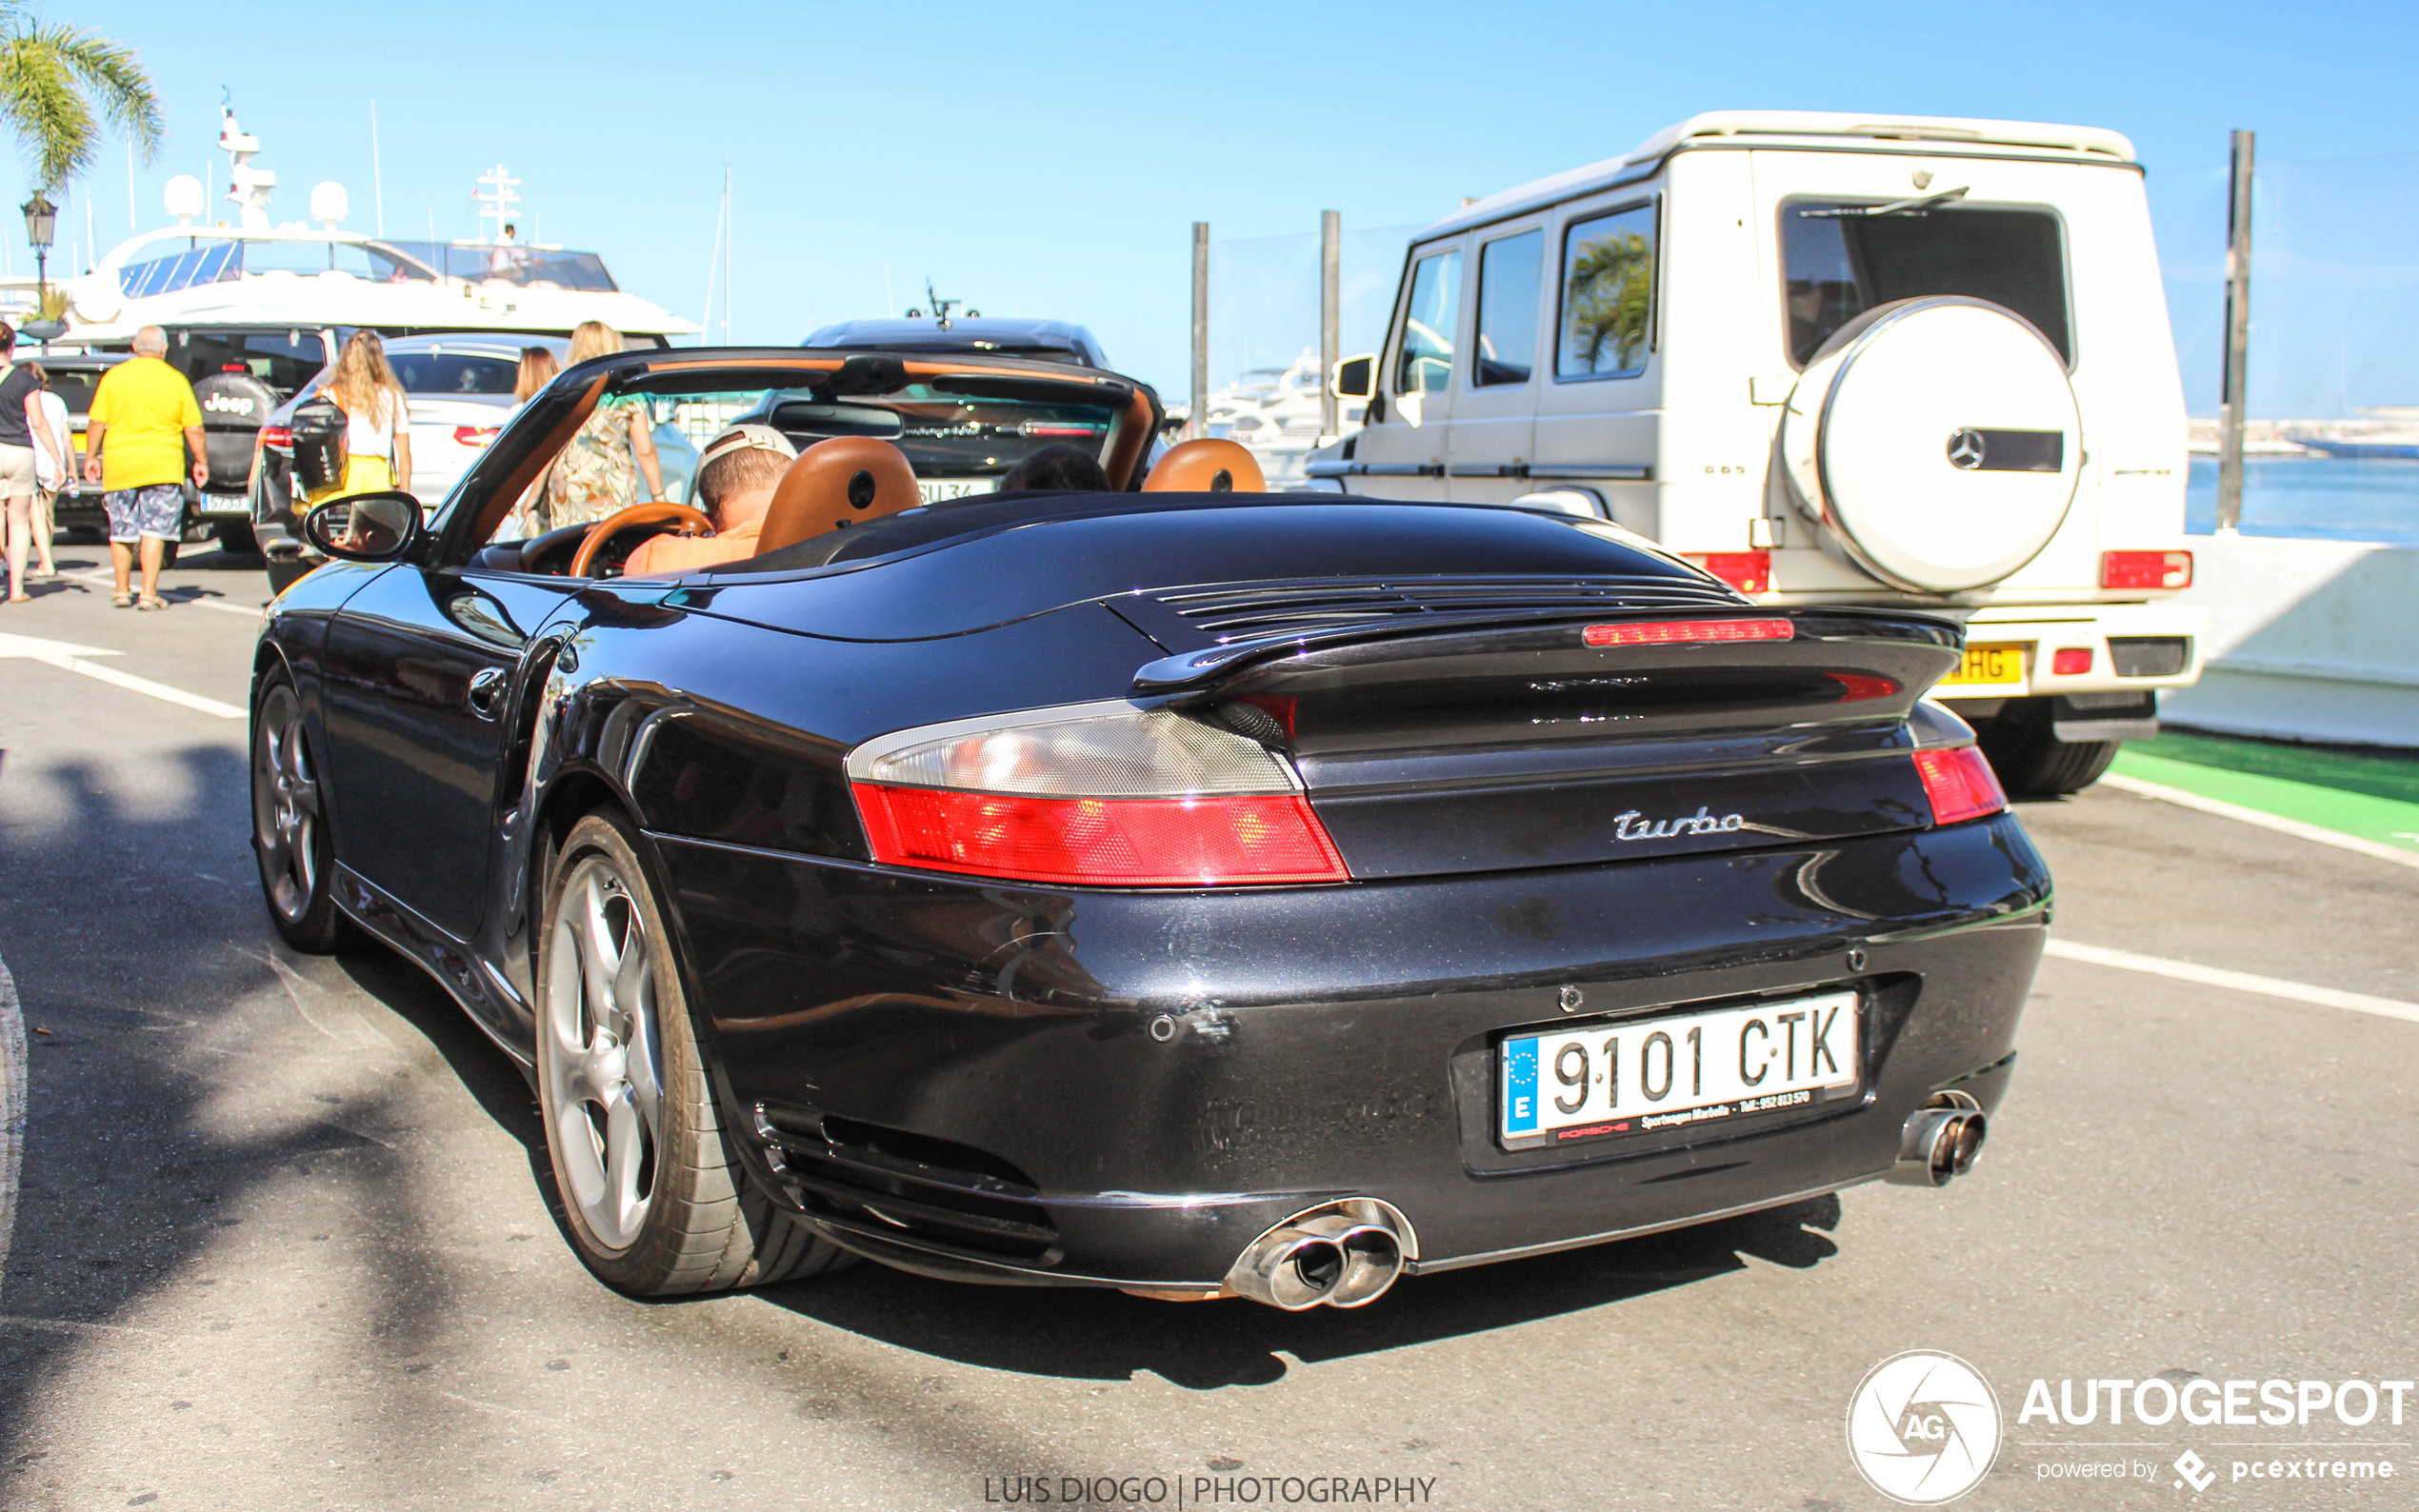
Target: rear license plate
column 1997, row 664
column 1651, row 1075
column 935, row 489
column 226, row 503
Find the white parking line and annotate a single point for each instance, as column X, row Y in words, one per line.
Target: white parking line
column 2253, row 816
column 199, row 602
column 13, row 1054
column 2236, row 981
column 70, row 657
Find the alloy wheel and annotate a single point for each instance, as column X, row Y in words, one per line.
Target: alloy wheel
column 605, row 1069
column 285, row 806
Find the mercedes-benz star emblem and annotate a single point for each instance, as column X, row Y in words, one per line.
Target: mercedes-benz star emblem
column 1964, row 449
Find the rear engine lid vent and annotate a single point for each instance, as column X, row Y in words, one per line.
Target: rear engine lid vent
column 1212, row 615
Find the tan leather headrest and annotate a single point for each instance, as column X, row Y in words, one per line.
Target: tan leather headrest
column 1206, row 465
column 845, row 480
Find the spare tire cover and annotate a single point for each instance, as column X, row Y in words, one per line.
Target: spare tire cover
column 1937, row 443
column 233, row 405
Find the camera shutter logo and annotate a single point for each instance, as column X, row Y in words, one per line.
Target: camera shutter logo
column 1923, row 1427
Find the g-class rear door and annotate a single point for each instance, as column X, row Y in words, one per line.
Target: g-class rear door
column 1495, row 397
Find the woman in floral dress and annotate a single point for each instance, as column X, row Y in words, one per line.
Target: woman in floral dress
column 599, row 472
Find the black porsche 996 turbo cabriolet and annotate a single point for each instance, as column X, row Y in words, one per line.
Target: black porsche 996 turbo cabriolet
column 1181, row 888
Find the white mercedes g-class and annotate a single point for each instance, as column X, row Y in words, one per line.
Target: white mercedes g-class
column 1901, row 361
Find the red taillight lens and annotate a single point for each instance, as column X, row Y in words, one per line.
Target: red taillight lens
column 1856, row 686
column 2072, row 661
column 1959, row 783
column 1677, row 632
column 474, row 435
column 1747, row 571
column 2146, row 570
column 1098, row 795
column 1101, row 841
column 280, row 437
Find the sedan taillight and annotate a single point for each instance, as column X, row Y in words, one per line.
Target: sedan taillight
column 1959, row 783
column 474, row 435
column 1116, row 797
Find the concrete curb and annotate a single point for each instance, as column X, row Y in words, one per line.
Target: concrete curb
column 13, row 1054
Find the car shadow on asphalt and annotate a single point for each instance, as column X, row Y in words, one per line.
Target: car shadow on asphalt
column 1092, row 1333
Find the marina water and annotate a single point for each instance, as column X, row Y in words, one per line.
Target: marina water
column 2324, row 498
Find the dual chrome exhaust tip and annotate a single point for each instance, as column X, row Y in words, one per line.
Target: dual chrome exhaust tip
column 1940, row 1141
column 1340, row 1254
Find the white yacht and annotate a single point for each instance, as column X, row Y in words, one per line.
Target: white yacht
column 1275, row 414
column 257, row 272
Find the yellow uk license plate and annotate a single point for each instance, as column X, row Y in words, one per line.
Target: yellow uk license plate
column 1998, row 664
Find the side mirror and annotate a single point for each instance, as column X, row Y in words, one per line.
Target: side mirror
column 1356, row 377
column 364, row 528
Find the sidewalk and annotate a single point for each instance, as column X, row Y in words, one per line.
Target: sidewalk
column 2371, row 796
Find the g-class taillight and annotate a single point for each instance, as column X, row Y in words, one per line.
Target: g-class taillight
column 1100, row 795
column 2146, row 570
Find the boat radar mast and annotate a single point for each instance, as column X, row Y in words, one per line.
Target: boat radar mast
column 247, row 185
column 498, row 202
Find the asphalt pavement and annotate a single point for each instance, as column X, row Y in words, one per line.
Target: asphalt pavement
column 284, row 1238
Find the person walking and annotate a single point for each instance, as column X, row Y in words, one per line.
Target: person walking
column 599, row 469
column 142, row 427
column 53, row 465
column 20, row 410
column 377, row 420
column 537, row 369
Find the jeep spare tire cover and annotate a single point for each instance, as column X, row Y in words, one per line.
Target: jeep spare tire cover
column 1935, row 442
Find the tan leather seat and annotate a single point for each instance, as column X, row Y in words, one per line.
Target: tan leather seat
column 845, row 480
column 1208, row 466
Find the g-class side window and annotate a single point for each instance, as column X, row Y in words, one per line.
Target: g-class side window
column 1425, row 363
column 1837, row 263
column 1607, row 296
column 1507, row 271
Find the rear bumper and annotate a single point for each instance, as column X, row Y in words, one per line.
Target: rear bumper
column 2145, row 653
column 1153, row 1079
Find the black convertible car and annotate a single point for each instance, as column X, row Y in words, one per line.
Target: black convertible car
column 1181, row 888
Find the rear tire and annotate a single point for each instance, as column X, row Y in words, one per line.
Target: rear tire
column 289, row 826
column 2032, row 760
column 236, row 539
column 653, row 1195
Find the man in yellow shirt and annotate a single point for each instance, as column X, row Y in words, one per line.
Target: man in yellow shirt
column 142, row 426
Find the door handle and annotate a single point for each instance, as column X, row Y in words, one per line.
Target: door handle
column 486, row 696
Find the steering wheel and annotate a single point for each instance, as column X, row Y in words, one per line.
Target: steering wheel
column 636, row 515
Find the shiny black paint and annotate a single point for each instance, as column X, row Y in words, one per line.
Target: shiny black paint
column 1328, row 1041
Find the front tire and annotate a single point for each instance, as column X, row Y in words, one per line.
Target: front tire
column 289, row 826
column 652, row 1194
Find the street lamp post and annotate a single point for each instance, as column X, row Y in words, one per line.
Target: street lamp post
column 41, row 224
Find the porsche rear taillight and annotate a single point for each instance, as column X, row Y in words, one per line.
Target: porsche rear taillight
column 1959, row 783
column 1100, row 796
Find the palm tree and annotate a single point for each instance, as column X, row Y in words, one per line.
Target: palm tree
column 1609, row 302
column 56, row 81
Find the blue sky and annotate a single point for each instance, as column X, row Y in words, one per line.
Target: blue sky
column 1048, row 159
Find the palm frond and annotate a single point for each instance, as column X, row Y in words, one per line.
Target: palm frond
column 40, row 99
column 126, row 93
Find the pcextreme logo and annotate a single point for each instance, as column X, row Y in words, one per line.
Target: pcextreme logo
column 1923, row 1427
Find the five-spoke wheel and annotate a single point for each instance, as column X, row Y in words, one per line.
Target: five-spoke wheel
column 290, row 828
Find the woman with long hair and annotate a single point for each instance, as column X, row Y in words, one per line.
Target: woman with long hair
column 599, row 470
column 53, row 465
column 377, row 420
column 537, row 369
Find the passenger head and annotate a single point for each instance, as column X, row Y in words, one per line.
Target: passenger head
column 7, row 336
column 150, row 341
column 363, row 383
column 538, row 368
column 738, row 471
column 593, row 338
column 1057, row 466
